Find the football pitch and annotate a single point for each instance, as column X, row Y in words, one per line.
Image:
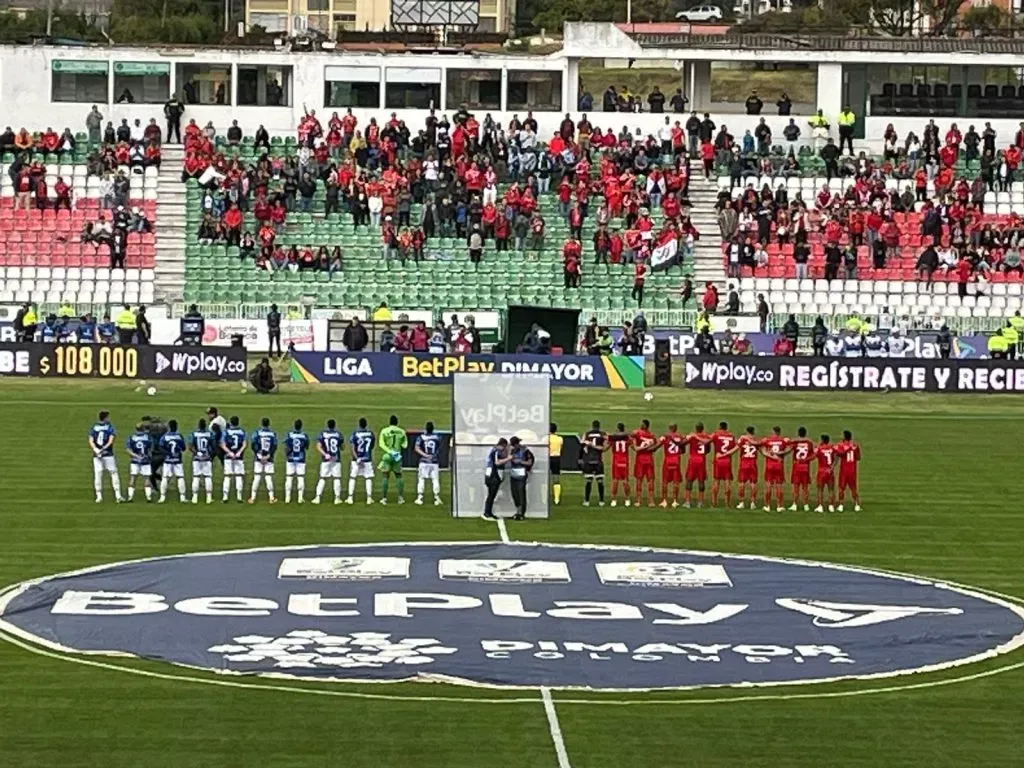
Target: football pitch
column 940, row 483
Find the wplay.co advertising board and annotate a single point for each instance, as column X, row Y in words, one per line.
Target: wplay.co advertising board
column 108, row 361
column 610, row 618
column 427, row 368
column 823, row 374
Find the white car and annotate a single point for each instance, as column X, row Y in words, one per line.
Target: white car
column 701, row 13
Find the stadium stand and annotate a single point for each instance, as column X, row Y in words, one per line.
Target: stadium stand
column 509, row 272
column 59, row 229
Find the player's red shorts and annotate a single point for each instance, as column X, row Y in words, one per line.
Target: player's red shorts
column 722, row 470
column 696, row 473
column 748, row 473
column 671, row 473
column 774, row 473
column 620, row 470
column 643, row 469
column 848, row 480
column 800, row 474
column 826, row 480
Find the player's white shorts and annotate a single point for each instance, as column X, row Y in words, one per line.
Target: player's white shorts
column 262, row 467
column 427, row 471
column 174, row 470
column 330, row 470
column 234, row 467
column 142, row 470
column 202, row 469
column 364, row 469
column 295, row 468
column 104, row 463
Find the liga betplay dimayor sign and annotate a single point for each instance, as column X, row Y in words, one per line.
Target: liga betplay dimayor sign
column 515, row 615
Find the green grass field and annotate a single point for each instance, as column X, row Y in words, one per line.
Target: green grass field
column 940, row 486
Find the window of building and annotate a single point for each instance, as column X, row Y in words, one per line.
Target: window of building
column 487, row 24
column 412, row 88
column 345, row 22
column 264, row 86
column 476, row 88
column 539, row 91
column 318, row 5
column 80, row 81
column 137, row 82
column 271, row 22
column 352, row 87
column 204, row 83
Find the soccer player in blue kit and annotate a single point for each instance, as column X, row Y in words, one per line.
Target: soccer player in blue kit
column 428, row 448
column 101, row 443
column 202, row 446
column 233, row 441
column 173, row 446
column 296, row 443
column 264, row 445
column 329, row 446
column 362, row 442
column 140, row 452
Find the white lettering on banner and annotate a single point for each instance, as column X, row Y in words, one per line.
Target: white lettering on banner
column 347, row 366
column 593, row 609
column 74, row 602
column 752, row 653
column 226, row 606
column 7, row 333
column 689, row 618
column 196, row 361
column 315, row 604
column 15, row 362
column 502, row 416
column 826, row 615
column 402, row 603
column 557, row 371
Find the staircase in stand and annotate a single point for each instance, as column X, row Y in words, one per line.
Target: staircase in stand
column 170, row 227
column 707, row 257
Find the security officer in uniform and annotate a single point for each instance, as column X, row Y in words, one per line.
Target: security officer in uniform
column 173, row 111
column 1012, row 336
column 998, row 347
column 555, row 462
column 125, row 324
column 520, row 464
column 846, row 121
column 494, row 474
column 156, row 428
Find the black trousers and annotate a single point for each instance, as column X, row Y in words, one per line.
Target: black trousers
column 275, row 339
column 174, row 129
column 493, row 483
column 518, row 488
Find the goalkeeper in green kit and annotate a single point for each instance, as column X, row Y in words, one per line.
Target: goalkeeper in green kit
column 392, row 442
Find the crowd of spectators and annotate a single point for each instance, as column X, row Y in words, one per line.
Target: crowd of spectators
column 920, row 208
column 477, row 182
column 622, row 100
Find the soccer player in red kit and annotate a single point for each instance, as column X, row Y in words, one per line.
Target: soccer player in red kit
column 620, row 441
column 725, row 446
column 800, row 475
column 699, row 443
column 849, row 455
column 644, row 446
column 774, row 447
column 749, row 447
column 826, row 481
column 672, row 446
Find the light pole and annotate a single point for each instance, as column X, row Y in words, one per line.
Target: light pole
column 629, row 11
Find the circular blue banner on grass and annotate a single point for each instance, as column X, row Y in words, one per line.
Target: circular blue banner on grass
column 611, row 618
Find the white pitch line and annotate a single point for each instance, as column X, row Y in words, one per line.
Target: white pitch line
column 555, row 728
column 503, row 531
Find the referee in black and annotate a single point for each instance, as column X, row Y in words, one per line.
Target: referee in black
column 274, row 330
column 156, row 428
column 494, row 473
column 520, row 463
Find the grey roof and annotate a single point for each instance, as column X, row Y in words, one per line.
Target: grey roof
column 795, row 42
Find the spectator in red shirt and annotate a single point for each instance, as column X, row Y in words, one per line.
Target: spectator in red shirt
column 233, row 225
column 63, row 192
column 710, row 300
column 963, row 276
column 783, row 347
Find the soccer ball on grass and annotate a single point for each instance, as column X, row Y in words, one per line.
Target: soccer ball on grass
column 648, row 396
